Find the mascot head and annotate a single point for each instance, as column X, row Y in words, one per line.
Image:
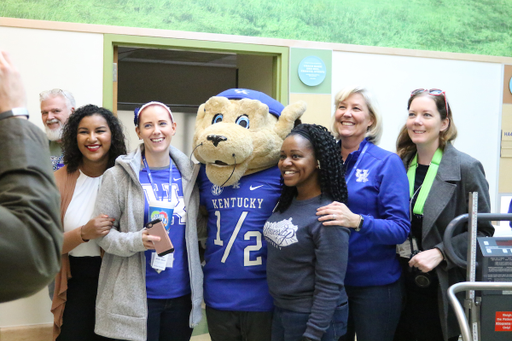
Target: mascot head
column 240, row 131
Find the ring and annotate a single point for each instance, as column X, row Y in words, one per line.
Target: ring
column 334, row 216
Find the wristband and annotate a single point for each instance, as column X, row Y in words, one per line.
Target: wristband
column 85, row 240
column 361, row 222
column 14, row 112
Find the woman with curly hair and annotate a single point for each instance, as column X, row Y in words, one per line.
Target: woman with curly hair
column 377, row 213
column 306, row 261
column 92, row 140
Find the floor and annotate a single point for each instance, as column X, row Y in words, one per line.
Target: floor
column 201, row 331
column 204, row 337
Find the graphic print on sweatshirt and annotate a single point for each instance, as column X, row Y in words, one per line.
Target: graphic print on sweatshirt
column 176, row 269
column 176, row 200
column 281, row 233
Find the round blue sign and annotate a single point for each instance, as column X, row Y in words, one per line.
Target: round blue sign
column 312, row 71
column 510, row 85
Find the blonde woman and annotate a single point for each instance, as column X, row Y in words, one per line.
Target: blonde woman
column 377, row 213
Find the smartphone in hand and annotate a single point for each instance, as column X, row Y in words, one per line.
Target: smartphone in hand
column 157, row 228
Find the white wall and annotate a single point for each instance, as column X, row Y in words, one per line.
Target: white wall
column 51, row 59
column 185, row 124
column 56, row 59
column 473, row 90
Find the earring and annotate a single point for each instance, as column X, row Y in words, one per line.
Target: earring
column 318, row 164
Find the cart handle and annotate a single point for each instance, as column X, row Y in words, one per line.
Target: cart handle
column 462, row 219
column 465, row 286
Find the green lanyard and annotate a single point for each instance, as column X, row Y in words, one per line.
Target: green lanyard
column 427, row 182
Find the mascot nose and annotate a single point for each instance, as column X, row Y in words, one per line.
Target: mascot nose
column 216, row 139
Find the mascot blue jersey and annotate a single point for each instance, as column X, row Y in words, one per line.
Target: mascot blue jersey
column 236, row 251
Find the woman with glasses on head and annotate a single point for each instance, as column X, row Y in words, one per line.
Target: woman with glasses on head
column 92, row 140
column 440, row 179
column 145, row 295
column 377, row 213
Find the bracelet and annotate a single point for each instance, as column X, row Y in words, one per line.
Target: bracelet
column 85, row 240
column 361, row 222
column 14, row 112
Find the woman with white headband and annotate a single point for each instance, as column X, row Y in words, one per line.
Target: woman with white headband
column 141, row 295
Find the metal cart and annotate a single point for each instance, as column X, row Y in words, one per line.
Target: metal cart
column 488, row 303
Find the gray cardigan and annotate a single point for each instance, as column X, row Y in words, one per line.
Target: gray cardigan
column 121, row 306
column 458, row 175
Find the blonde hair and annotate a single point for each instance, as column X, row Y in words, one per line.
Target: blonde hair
column 374, row 131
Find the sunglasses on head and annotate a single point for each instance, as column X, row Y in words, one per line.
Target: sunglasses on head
column 433, row 92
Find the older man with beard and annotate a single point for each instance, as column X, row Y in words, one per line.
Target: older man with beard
column 56, row 106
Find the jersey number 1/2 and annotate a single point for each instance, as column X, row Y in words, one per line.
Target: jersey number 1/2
column 248, row 235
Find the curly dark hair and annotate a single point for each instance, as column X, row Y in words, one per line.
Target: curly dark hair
column 72, row 155
column 331, row 173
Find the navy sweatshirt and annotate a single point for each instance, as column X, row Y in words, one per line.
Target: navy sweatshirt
column 306, row 263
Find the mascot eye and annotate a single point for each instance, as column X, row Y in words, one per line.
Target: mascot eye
column 217, row 118
column 243, row 121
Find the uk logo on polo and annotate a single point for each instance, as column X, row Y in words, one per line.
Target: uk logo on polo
column 362, row 175
column 281, row 233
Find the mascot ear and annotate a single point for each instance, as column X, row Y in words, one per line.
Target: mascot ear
column 288, row 117
column 200, row 115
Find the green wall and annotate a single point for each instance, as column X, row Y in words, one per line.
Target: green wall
column 466, row 26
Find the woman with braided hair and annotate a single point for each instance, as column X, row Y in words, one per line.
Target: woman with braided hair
column 306, row 261
column 377, row 213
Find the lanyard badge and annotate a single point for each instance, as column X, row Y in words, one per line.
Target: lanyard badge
column 163, row 210
column 160, row 209
column 427, row 182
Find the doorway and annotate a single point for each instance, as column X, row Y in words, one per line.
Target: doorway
column 183, row 75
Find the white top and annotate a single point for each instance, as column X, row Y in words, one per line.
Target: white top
column 80, row 211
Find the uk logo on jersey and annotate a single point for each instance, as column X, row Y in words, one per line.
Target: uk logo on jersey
column 281, row 233
column 217, row 190
column 362, row 175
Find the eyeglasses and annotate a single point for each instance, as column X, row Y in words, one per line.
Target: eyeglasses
column 433, row 92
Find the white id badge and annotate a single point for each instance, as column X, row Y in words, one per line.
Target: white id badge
column 170, row 260
column 404, row 249
column 158, row 263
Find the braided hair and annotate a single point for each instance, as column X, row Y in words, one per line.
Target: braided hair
column 331, row 174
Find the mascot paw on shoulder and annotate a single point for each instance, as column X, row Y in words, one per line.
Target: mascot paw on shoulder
column 240, row 132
